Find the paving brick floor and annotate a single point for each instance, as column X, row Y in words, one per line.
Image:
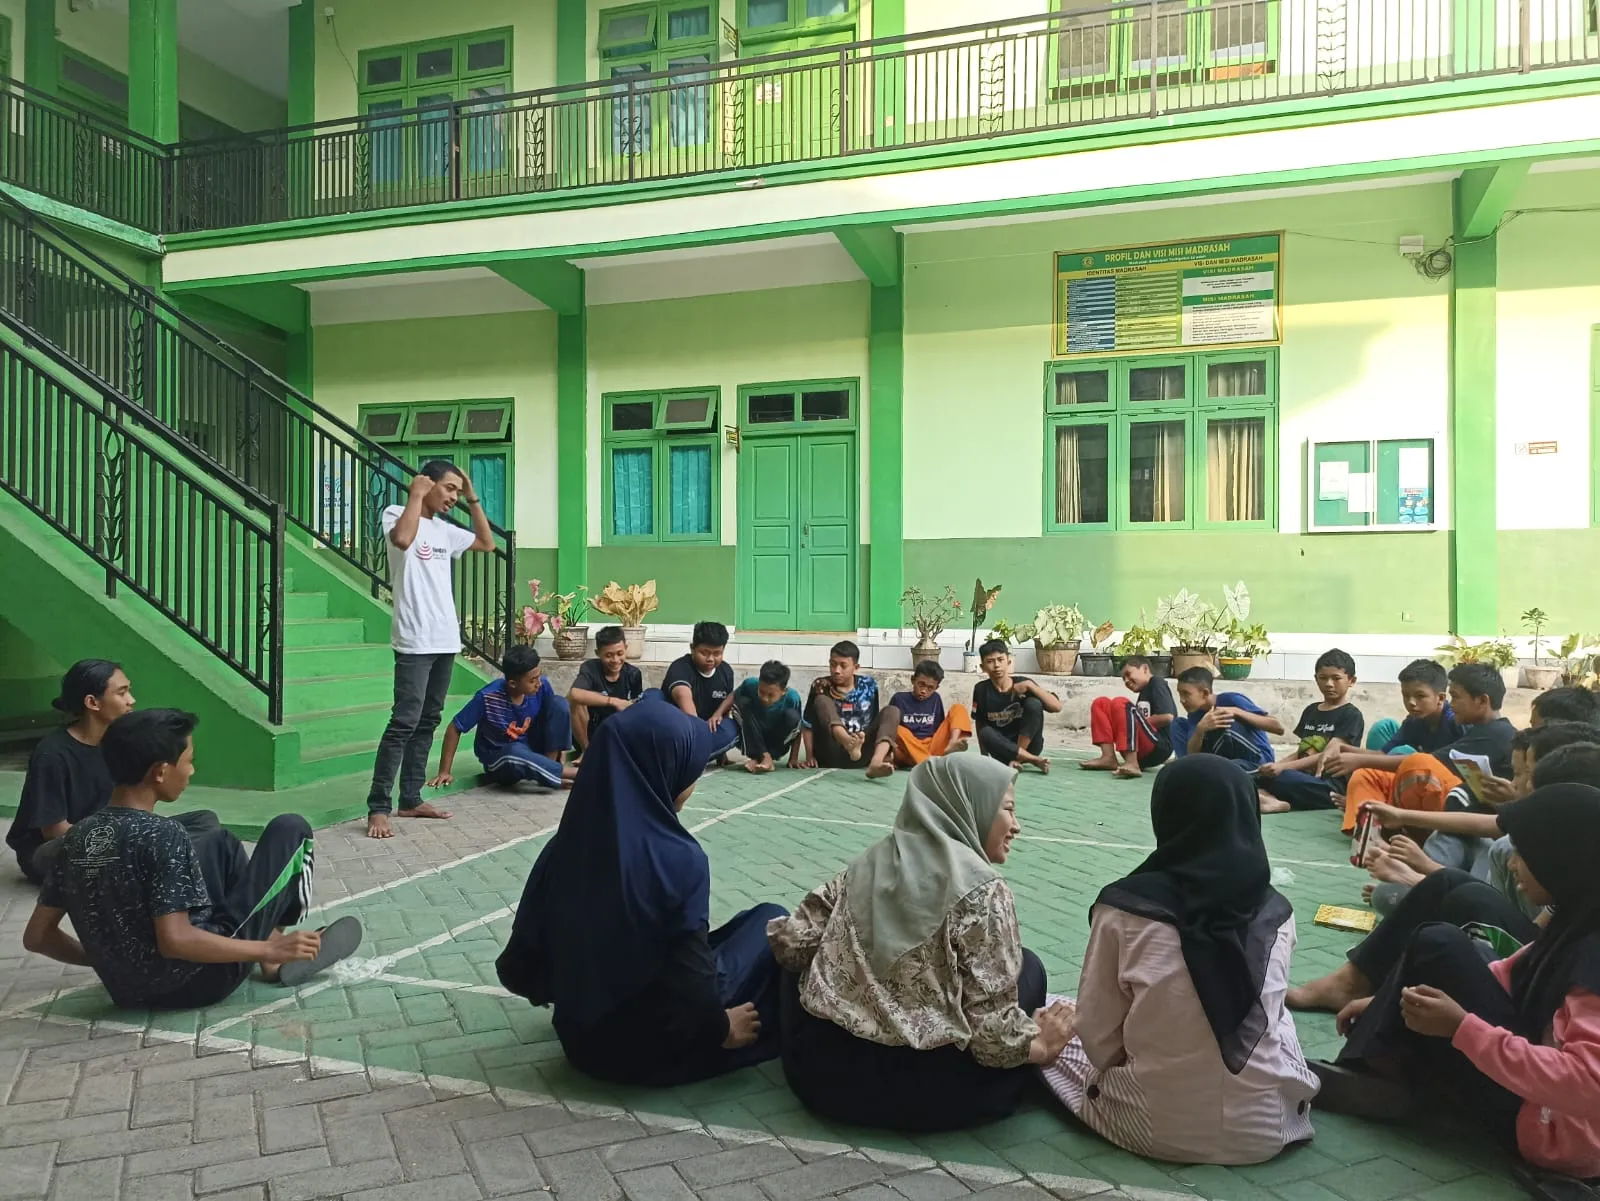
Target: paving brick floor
column 410, row 1073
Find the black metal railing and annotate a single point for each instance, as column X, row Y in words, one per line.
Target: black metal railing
column 112, row 480
column 244, row 424
column 69, row 154
column 1142, row 59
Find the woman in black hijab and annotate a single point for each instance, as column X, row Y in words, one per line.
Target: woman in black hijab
column 1183, row 986
column 1514, row 1043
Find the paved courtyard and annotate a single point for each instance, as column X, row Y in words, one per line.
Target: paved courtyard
column 412, row 1075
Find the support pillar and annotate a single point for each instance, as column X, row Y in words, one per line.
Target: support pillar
column 572, row 447
column 303, row 63
column 886, row 454
column 40, row 61
column 153, row 68
column 572, row 41
column 1474, row 559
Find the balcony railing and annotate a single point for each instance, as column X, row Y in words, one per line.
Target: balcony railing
column 1142, row 59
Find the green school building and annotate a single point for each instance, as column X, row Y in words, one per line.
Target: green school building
column 787, row 305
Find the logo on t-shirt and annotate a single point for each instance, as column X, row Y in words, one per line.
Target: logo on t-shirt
column 424, row 551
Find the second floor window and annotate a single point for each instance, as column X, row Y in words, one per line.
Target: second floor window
column 1097, row 49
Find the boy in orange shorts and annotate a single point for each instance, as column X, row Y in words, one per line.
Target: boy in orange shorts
column 926, row 730
column 1422, row 780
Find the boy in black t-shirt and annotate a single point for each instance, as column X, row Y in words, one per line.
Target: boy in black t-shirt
column 1328, row 725
column 701, row 684
column 165, row 921
column 1009, row 710
column 1137, row 729
column 604, row 685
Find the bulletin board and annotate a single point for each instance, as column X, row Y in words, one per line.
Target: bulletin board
column 1385, row 484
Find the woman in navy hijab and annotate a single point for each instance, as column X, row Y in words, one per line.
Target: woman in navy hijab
column 614, row 926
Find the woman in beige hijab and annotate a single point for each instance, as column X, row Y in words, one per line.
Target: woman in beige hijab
column 911, row 1003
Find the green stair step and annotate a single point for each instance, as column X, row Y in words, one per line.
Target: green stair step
column 351, row 659
column 331, row 692
column 299, row 606
column 336, row 727
column 324, row 631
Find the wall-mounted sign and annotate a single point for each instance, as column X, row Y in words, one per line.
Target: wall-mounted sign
column 1200, row 295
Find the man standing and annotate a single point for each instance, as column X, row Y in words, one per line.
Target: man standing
column 427, row 632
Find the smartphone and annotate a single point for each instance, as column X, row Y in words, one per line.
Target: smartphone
column 1366, row 830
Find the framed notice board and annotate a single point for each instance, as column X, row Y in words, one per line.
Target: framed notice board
column 1381, row 484
column 1169, row 297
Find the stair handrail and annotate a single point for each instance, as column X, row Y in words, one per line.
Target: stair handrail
column 253, row 510
column 485, row 634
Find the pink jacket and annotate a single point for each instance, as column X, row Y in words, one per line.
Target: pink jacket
column 1559, row 1081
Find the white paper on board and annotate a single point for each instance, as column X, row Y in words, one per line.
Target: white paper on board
column 1361, row 493
column 1414, row 464
column 1333, row 480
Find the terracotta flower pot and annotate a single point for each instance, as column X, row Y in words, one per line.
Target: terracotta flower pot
column 633, row 639
column 1185, row 657
column 572, row 642
column 1056, row 660
column 925, row 648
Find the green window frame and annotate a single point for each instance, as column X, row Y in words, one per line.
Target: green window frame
column 1118, row 429
column 661, row 431
column 800, row 19
column 486, row 455
column 1197, row 41
column 761, row 406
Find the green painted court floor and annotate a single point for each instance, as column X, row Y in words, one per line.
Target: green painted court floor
column 422, row 1000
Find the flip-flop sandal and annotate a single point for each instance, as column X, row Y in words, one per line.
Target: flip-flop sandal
column 339, row 941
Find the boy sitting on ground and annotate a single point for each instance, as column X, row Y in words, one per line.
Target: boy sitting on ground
column 844, row 717
column 1137, row 729
column 1557, row 753
column 926, row 730
column 701, row 684
column 1009, row 710
column 1423, row 780
column 168, row 922
column 1228, row 724
column 769, row 714
column 1430, row 725
column 1566, row 704
column 604, row 685
column 513, row 716
column 1326, row 725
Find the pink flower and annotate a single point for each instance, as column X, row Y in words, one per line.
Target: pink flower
column 556, row 625
column 533, row 587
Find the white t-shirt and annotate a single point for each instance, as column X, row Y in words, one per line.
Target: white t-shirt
column 425, row 621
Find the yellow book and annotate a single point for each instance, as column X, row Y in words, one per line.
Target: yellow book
column 1337, row 917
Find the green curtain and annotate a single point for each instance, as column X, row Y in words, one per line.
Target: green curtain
column 489, row 480
column 689, row 479
column 631, row 491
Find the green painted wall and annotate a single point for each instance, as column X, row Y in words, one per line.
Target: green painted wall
column 693, row 583
column 29, row 680
column 1553, row 570
column 1307, row 582
column 458, row 358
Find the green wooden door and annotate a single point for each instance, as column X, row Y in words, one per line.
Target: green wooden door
column 827, row 533
column 769, row 533
column 797, row 532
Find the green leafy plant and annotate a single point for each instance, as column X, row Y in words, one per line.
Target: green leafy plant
column 931, row 614
column 1576, row 657
column 1059, row 625
column 1534, row 621
column 982, row 601
column 1006, row 632
column 1188, row 621
column 630, row 605
column 1245, row 641
column 1497, row 652
column 1141, row 639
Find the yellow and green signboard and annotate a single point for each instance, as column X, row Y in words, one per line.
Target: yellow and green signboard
column 1169, row 297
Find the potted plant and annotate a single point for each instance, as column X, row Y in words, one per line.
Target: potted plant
column 1057, row 630
column 1539, row 674
column 1497, row 652
column 930, row 615
column 1576, row 657
column 982, row 601
column 1193, row 626
column 630, row 606
column 559, row 613
column 1243, row 641
column 1149, row 641
column 1094, row 661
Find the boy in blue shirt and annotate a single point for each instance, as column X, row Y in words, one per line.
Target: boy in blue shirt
column 769, row 715
column 926, row 729
column 1228, row 724
column 512, row 716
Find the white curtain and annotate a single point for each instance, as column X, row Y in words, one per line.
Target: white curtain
column 1236, row 466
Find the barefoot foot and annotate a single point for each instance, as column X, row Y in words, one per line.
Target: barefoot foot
column 1412, row 855
column 853, row 744
column 1099, row 763
column 1331, row 993
column 877, row 771
column 426, row 810
column 378, row 826
column 1385, row 867
column 957, row 746
column 1128, row 771
column 1271, row 804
